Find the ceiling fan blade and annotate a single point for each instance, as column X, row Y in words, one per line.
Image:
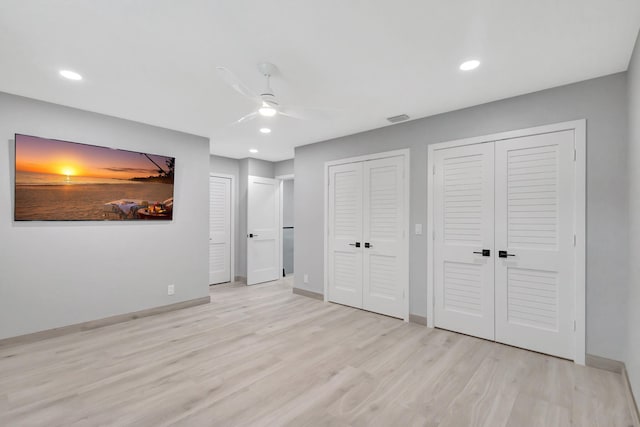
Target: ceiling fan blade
column 302, row 113
column 233, row 81
column 294, row 114
column 246, row 118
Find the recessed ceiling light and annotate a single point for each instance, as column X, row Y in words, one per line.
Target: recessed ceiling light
column 265, row 130
column 470, row 65
column 71, row 75
column 253, row 150
column 267, row 111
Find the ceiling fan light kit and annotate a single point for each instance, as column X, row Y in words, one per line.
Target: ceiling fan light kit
column 267, row 111
column 267, row 103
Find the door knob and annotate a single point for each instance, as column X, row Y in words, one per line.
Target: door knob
column 484, row 252
column 251, row 235
column 504, row 254
column 368, row 245
column 356, row 244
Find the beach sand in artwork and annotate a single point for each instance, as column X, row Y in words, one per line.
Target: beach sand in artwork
column 83, row 202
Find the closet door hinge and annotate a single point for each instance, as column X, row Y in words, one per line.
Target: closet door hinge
column 575, row 154
column 574, row 326
column 574, row 240
column 434, row 169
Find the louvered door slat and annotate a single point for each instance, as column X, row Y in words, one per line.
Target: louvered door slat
column 534, row 222
column 345, row 229
column 219, row 230
column 463, row 222
column 383, row 220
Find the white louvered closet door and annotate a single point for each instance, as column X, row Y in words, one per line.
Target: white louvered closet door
column 345, row 234
column 463, row 225
column 383, row 235
column 535, row 226
column 219, row 230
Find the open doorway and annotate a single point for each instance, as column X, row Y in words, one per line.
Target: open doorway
column 288, row 223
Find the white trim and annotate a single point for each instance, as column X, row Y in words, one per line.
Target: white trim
column 406, row 154
column 233, row 220
column 580, row 135
column 325, row 238
column 430, row 237
column 364, row 158
column 282, row 178
column 280, row 224
column 285, row 177
column 579, row 128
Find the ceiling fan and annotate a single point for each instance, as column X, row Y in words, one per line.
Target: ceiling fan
column 267, row 103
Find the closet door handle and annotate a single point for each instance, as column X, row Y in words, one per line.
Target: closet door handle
column 504, row 254
column 356, row 244
column 484, row 252
column 368, row 245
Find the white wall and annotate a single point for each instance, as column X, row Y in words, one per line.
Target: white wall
column 601, row 101
column 57, row 274
column 633, row 320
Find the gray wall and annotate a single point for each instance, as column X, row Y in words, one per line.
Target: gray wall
column 57, row 274
column 633, row 323
column 284, row 167
column 601, row 101
column 224, row 165
column 261, row 168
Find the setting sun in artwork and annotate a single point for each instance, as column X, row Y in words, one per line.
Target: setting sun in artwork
column 68, row 171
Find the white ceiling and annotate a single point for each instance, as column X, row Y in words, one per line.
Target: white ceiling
column 154, row 61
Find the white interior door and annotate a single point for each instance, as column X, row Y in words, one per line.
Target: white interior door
column 263, row 230
column 464, row 227
column 219, row 230
column 535, row 283
column 385, row 267
column 345, row 243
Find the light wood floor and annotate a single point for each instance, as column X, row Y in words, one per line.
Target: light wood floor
column 263, row 356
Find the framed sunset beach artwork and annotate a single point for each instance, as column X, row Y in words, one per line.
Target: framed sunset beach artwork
column 68, row 181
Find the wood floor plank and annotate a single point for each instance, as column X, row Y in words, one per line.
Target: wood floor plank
column 263, row 356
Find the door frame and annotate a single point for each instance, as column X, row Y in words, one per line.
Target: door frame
column 282, row 179
column 580, row 145
column 233, row 220
column 406, row 154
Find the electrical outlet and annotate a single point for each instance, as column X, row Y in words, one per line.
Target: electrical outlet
column 306, row 278
column 171, row 289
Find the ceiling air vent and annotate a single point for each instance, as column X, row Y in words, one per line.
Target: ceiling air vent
column 397, row 119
